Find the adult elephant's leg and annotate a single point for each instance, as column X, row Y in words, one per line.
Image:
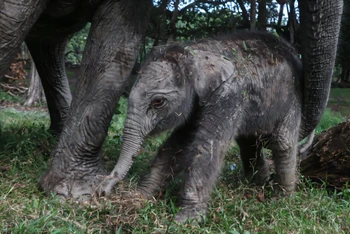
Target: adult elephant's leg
column 48, row 56
column 111, row 50
column 254, row 163
column 16, row 19
column 170, row 160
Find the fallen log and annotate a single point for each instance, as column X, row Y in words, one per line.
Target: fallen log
column 328, row 158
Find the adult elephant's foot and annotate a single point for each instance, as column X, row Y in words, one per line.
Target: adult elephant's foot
column 80, row 185
column 191, row 213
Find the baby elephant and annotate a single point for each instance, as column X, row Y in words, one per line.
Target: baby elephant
column 245, row 87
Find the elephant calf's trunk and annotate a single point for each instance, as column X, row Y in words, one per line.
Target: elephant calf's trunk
column 131, row 147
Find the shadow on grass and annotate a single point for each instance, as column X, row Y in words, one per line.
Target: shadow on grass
column 25, row 146
column 25, row 140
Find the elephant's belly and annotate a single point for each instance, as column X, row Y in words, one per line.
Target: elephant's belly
column 62, row 18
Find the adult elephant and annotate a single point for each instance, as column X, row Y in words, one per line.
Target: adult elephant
column 110, row 53
column 111, row 49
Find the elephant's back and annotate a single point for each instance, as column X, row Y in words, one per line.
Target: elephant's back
column 244, row 45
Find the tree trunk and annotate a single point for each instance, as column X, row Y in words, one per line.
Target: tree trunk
column 262, row 15
column 244, row 14
column 35, row 92
column 328, row 159
column 172, row 37
column 252, row 14
column 291, row 18
column 280, row 15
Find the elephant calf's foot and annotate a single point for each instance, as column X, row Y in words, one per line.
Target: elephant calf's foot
column 282, row 189
column 191, row 214
column 80, row 187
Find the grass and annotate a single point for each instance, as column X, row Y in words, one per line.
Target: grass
column 235, row 207
column 4, row 96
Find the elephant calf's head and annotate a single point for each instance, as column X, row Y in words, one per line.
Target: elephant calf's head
column 164, row 94
column 160, row 98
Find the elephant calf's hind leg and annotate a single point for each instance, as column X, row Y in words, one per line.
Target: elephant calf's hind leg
column 284, row 151
column 254, row 163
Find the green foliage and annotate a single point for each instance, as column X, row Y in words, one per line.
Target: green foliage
column 200, row 20
column 76, row 45
column 197, row 24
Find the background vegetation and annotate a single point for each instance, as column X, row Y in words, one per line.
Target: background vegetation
column 183, row 20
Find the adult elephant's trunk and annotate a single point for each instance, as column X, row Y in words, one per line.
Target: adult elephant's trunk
column 320, row 24
column 132, row 141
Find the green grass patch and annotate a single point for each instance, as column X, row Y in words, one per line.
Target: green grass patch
column 329, row 118
column 236, row 207
column 4, row 96
column 339, row 101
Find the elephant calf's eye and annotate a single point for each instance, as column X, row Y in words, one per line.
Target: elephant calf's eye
column 158, row 102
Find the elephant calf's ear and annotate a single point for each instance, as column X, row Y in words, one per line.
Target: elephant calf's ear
column 207, row 71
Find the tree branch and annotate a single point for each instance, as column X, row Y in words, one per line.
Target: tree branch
column 244, row 13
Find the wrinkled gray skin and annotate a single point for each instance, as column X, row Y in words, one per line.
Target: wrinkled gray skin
column 250, row 87
column 111, row 50
column 213, row 92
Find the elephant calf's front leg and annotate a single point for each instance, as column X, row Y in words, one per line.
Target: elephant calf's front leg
column 208, row 150
column 169, row 161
